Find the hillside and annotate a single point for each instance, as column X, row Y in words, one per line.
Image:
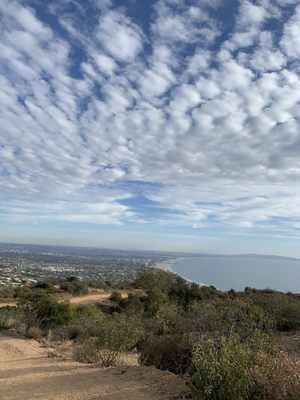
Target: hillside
column 27, row 372
column 72, row 340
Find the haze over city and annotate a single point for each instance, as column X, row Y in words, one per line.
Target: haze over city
column 164, row 125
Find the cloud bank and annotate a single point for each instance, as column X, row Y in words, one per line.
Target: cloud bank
column 193, row 111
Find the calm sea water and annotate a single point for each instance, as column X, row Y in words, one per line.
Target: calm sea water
column 236, row 272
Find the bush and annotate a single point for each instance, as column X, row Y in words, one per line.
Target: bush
column 115, row 297
column 133, row 304
column 120, row 333
column 284, row 309
column 204, row 318
column 275, row 378
column 152, row 278
column 115, row 335
column 184, row 293
column 34, row 332
column 7, row 292
column 45, row 311
column 11, row 318
column 243, row 318
column 75, row 286
column 85, row 323
column 230, row 369
column 169, row 319
column 88, row 311
column 221, row 369
column 261, row 342
column 154, row 300
column 46, row 285
column 86, row 351
column 5, row 318
column 226, row 317
column 169, row 352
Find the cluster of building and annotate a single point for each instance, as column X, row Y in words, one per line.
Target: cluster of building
column 28, row 264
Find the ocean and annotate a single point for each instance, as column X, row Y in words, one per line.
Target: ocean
column 237, row 272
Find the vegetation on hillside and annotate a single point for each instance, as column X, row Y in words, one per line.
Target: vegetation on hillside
column 225, row 342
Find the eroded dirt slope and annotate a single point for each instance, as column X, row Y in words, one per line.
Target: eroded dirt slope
column 27, row 373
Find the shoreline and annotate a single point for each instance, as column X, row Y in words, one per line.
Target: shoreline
column 167, row 267
column 250, row 271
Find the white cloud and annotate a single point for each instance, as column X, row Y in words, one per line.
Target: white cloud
column 153, row 84
column 251, row 14
column 290, row 41
column 184, row 98
column 105, row 63
column 119, row 36
column 79, row 212
column 176, row 22
column 213, row 129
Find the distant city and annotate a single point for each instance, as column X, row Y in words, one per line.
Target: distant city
column 20, row 264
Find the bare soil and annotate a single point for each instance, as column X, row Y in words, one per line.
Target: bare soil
column 95, row 296
column 7, row 304
column 29, row 371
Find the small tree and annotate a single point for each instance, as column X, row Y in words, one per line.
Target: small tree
column 44, row 310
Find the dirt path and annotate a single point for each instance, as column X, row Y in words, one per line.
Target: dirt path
column 27, row 372
column 80, row 300
column 10, row 304
column 95, row 297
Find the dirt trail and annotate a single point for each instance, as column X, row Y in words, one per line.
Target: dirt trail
column 80, row 300
column 27, row 372
column 10, row 304
column 90, row 298
column 94, row 297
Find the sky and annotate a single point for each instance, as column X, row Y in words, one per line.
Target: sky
column 164, row 125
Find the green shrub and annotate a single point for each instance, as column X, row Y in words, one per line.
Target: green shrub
column 45, row 311
column 151, row 278
column 11, row 318
column 75, row 286
column 229, row 368
column 204, row 317
column 115, row 297
column 169, row 319
column 243, row 317
column 262, row 342
column 133, row 304
column 47, row 285
column 284, row 309
column 85, row 323
column 5, row 318
column 115, row 334
column 168, row 352
column 86, row 351
column 184, row 293
column 120, row 333
column 154, row 300
column 7, row 292
column 221, row 369
column 88, row 311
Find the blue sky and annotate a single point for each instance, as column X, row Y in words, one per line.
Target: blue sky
column 167, row 124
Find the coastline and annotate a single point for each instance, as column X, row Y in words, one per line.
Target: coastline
column 236, row 272
column 167, row 267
